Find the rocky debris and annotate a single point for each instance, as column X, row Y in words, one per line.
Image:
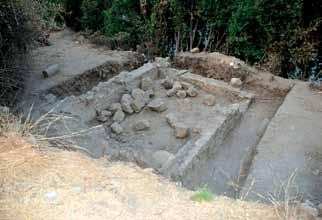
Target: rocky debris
column 149, row 94
column 171, row 92
column 185, row 85
column 177, row 86
column 126, row 103
column 118, row 116
column 141, row 125
column 115, row 107
column 51, row 70
column 181, row 94
column 167, row 83
column 140, row 99
column 236, row 82
column 308, row 208
column 171, row 119
column 116, row 128
column 163, row 62
column 161, row 157
column 192, row 92
column 146, row 83
column 209, row 100
column 181, row 130
column 157, row 105
column 104, row 116
column 195, row 50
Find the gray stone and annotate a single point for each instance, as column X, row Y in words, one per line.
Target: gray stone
column 181, row 94
column 141, row 125
column 236, row 82
column 185, row 85
column 181, row 130
column 104, row 116
column 115, row 107
column 161, row 157
column 167, row 83
column 171, row 119
column 118, row 116
column 157, row 105
column 126, row 102
column 116, row 128
column 195, row 50
column 171, row 92
column 140, row 99
column 146, row 83
column 177, row 86
column 209, row 100
column 192, row 92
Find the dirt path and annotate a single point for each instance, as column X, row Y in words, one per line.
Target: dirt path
column 74, row 58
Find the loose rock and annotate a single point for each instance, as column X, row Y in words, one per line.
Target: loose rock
column 177, row 86
column 142, row 125
column 157, row 105
column 115, row 107
column 116, row 128
column 161, row 157
column 167, row 83
column 104, row 116
column 185, row 85
column 139, row 99
column 146, row 83
column 195, row 50
column 181, row 94
column 236, row 82
column 209, row 100
column 171, row 92
column 119, row 116
column 192, row 92
column 171, row 119
column 126, row 102
column 181, row 130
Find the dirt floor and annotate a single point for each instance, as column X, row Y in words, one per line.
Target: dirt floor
column 38, row 183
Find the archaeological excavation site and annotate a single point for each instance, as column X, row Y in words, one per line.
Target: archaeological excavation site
column 204, row 119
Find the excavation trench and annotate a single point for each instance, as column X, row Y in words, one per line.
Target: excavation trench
column 214, row 144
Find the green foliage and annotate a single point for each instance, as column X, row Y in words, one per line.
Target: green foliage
column 203, row 194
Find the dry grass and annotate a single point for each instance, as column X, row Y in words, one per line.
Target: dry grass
column 93, row 189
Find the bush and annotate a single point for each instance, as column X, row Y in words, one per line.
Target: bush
column 16, row 35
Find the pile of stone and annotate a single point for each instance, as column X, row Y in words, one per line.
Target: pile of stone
column 180, row 89
column 130, row 103
column 181, row 130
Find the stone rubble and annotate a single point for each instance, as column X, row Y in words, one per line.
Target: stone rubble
column 115, row 107
column 157, row 105
column 236, row 82
column 104, row 116
column 209, row 100
column 140, row 99
column 116, row 128
column 146, row 83
column 167, row 83
column 126, row 102
column 119, row 116
column 142, row 125
column 181, row 94
column 192, row 92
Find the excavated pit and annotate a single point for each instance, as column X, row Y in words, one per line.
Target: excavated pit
column 221, row 138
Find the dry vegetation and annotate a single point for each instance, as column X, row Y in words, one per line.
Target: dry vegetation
column 38, row 182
